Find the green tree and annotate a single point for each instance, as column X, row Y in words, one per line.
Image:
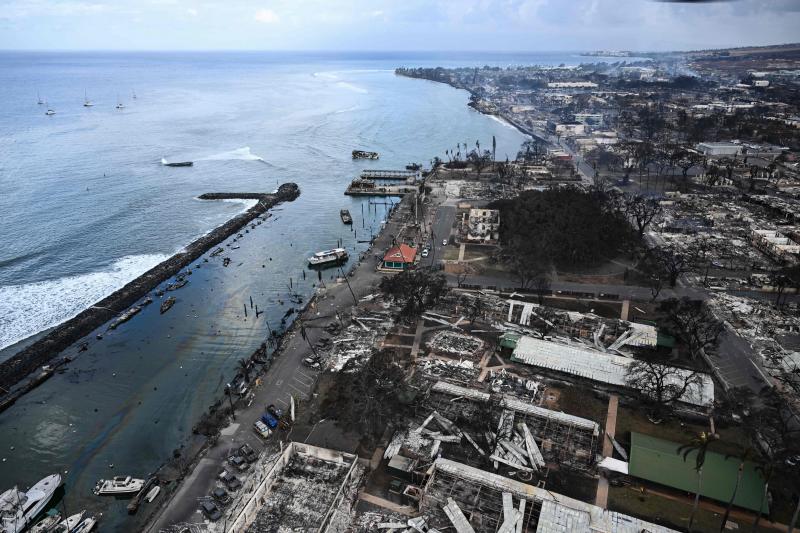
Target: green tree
column 414, row 290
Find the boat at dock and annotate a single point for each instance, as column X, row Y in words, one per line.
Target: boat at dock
column 19, row 509
column 69, row 524
column 361, row 154
column 345, row 215
column 327, row 257
column 85, row 526
column 118, row 485
column 152, row 494
column 46, row 524
column 176, row 163
column 166, row 304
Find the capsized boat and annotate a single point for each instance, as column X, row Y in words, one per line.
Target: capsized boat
column 118, row 485
column 19, row 509
column 328, row 256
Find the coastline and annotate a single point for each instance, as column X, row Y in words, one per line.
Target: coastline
column 287, row 345
column 48, row 347
column 503, row 116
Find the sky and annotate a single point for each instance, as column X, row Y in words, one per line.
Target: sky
column 395, row 25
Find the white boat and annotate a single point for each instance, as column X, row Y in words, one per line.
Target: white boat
column 119, row 104
column 18, row 509
column 46, row 524
column 39, row 99
column 119, row 485
column 152, row 493
column 49, row 110
column 328, row 256
column 69, row 524
column 86, row 525
column 86, row 102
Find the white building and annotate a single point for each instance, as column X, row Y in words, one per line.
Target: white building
column 719, row 148
column 589, row 118
column 572, row 85
column 570, row 129
column 776, row 245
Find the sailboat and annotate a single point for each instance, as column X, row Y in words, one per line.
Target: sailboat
column 86, row 102
column 133, row 93
column 39, row 99
column 49, row 110
column 119, row 104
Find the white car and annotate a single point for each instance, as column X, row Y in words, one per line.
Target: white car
column 444, row 242
column 425, row 252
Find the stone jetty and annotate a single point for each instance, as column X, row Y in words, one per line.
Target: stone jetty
column 13, row 370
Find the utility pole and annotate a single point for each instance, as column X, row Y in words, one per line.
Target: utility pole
column 355, row 301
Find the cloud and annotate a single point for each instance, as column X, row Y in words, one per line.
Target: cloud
column 266, row 16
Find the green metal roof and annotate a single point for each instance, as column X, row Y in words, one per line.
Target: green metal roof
column 658, row 460
column 509, row 340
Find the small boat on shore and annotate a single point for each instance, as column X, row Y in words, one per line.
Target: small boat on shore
column 362, row 154
column 152, row 494
column 118, row 485
column 327, row 257
column 345, row 216
column 167, row 304
column 18, row 509
column 176, row 163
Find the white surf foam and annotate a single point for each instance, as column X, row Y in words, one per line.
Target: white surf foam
column 350, row 86
column 28, row 309
column 241, row 154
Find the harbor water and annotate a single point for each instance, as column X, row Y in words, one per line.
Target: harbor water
column 87, row 206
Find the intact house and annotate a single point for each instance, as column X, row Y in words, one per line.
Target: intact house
column 399, row 258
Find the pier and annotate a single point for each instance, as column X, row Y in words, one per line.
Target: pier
column 402, row 175
column 361, row 187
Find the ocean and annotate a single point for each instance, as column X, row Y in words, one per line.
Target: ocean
column 86, row 206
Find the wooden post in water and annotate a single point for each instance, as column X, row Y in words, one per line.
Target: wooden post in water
column 251, row 302
column 245, row 310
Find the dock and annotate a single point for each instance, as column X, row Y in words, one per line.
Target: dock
column 402, row 175
column 369, row 188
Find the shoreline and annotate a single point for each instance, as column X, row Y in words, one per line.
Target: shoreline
column 204, row 443
column 16, row 368
column 502, row 116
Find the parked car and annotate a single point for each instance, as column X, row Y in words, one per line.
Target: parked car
column 238, row 463
column 444, row 242
column 230, row 481
column 275, row 411
column 311, row 362
column 269, row 420
column 247, row 453
column 221, row 496
column 211, row 510
column 262, row 429
column 425, row 252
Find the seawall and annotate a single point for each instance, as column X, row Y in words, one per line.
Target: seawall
column 13, row 370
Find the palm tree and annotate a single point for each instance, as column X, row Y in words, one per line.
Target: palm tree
column 766, row 468
column 745, row 454
column 699, row 445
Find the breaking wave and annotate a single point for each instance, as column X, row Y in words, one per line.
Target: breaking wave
column 351, row 87
column 241, row 154
column 28, row 309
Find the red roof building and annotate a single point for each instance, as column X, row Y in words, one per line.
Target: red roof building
column 399, row 257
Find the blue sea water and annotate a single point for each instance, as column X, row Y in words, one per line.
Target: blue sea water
column 86, row 206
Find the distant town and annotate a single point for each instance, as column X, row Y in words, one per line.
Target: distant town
column 597, row 333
